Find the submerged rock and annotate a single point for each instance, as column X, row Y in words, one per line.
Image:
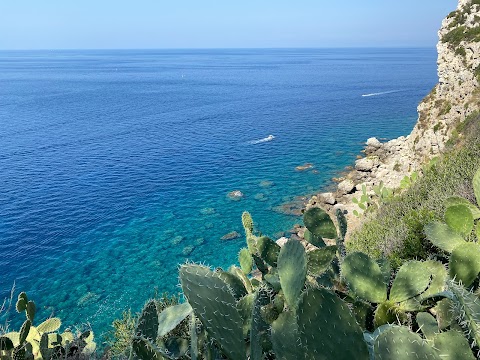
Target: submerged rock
column 260, row 197
column 207, row 211
column 231, row 235
column 177, row 240
column 266, row 184
column 187, row 250
column 304, row 167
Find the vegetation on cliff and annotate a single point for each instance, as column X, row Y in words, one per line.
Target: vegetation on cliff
column 396, row 229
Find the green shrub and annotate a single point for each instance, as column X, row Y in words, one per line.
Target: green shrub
column 461, row 51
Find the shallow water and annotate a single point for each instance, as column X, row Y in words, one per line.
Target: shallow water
column 115, row 165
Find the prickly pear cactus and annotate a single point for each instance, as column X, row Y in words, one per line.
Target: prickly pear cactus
column 327, row 329
column 467, row 312
column 319, row 223
column 292, row 270
column 215, row 306
column 246, row 261
column 171, row 317
column 411, row 279
column 49, row 325
column 147, row 324
column 259, row 328
column 399, row 343
column 146, row 350
column 389, row 312
column 443, row 237
column 268, row 250
column 319, row 260
column 428, row 325
column 452, row 345
column 464, row 263
column 456, row 200
column 460, row 219
column 285, row 337
column 364, row 277
column 247, row 223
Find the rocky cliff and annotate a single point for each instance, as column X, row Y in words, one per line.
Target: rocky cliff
column 441, row 114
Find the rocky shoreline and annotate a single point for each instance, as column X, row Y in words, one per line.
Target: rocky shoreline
column 449, row 104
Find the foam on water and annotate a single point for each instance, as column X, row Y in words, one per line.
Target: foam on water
column 382, row 93
column 259, row 141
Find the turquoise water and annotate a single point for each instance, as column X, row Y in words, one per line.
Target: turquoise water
column 116, row 165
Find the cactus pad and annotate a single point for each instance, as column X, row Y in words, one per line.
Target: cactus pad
column 444, row 312
column 31, row 310
column 246, row 260
column 460, row 219
column 319, row 223
column 465, row 263
column 386, row 268
column 171, row 317
column 292, row 270
column 237, row 288
column 49, row 325
column 342, row 222
column 24, row 330
column 467, row 311
column 215, row 306
column 442, row 236
column 327, row 329
column 399, row 343
column 456, row 200
column 146, row 350
column 285, row 337
column 5, row 344
column 388, row 313
column 319, row 260
column 428, row 325
column 411, row 279
column 247, row 223
column 364, row 277
column 147, row 324
column 314, row 240
column 244, row 307
column 259, row 327
column 452, row 345
column 268, row 250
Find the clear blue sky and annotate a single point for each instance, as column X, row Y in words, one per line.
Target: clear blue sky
column 105, row 24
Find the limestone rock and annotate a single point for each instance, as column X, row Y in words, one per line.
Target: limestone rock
column 365, row 164
column 327, row 198
column 346, row 187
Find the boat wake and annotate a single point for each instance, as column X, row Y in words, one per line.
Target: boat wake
column 381, row 93
column 259, row 141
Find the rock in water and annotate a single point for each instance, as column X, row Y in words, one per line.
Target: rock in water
column 230, row 236
column 235, row 195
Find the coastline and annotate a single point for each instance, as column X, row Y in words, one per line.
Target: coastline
column 454, row 99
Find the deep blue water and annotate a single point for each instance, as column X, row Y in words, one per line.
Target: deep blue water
column 111, row 160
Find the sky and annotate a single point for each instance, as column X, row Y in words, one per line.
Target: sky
column 158, row 24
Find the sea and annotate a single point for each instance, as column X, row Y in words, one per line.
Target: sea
column 116, row 166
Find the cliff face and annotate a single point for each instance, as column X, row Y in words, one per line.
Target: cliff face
column 457, row 93
column 454, row 98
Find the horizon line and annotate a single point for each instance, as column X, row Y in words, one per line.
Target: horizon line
column 226, row 48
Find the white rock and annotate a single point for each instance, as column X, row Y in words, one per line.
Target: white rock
column 373, row 142
column 327, row 198
column 282, row 241
column 346, row 186
column 365, row 164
